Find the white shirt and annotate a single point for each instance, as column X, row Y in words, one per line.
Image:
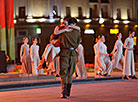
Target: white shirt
column 34, row 51
column 118, row 46
column 129, row 43
column 101, row 47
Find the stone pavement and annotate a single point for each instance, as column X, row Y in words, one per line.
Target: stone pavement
column 50, row 80
column 114, row 91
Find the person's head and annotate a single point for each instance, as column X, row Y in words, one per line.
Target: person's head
column 34, row 40
column 119, row 36
column 72, row 21
column 65, row 21
column 101, row 38
column 25, row 39
column 131, row 33
column 96, row 40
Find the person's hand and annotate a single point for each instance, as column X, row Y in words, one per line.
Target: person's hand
column 52, row 42
column 111, row 53
column 107, row 55
column 112, row 57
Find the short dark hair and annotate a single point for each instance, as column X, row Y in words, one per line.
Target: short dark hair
column 66, row 19
column 130, row 31
column 100, row 36
column 24, row 38
column 33, row 39
column 116, row 36
column 72, row 20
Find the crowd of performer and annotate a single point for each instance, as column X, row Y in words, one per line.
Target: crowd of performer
column 104, row 66
column 31, row 63
column 65, row 54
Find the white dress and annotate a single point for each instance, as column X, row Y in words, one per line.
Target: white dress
column 80, row 66
column 103, row 60
column 34, row 53
column 96, row 66
column 51, row 58
column 118, row 58
column 129, row 66
column 26, row 60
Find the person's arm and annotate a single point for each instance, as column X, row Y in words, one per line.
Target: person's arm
column 125, row 44
column 94, row 47
column 57, row 31
column 38, row 48
column 74, row 27
column 115, row 47
column 21, row 51
column 31, row 53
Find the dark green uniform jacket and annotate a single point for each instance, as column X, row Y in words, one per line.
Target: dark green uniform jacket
column 69, row 40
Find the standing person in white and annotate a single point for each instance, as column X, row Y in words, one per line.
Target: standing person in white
column 80, row 66
column 95, row 52
column 50, row 56
column 118, row 58
column 97, row 68
column 35, row 59
column 103, row 57
column 26, row 69
column 129, row 66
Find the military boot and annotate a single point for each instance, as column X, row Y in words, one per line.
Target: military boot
column 64, row 88
column 68, row 89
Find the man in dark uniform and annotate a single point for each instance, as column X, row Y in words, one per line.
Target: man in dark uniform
column 69, row 41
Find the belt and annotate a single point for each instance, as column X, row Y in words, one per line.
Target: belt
column 69, row 48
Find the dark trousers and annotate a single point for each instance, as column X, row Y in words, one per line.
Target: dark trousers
column 67, row 67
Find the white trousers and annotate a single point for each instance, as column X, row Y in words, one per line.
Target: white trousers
column 50, row 55
column 118, row 61
column 81, row 69
column 105, row 64
column 34, row 65
column 129, row 66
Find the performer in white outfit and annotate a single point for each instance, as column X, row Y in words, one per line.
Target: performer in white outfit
column 97, row 68
column 118, row 58
column 51, row 58
column 129, row 66
column 25, row 58
column 103, row 57
column 35, row 59
column 80, row 66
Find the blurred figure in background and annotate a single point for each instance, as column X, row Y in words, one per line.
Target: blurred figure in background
column 97, row 68
column 25, row 58
column 103, row 57
column 117, row 53
column 35, row 59
column 129, row 66
column 80, row 66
